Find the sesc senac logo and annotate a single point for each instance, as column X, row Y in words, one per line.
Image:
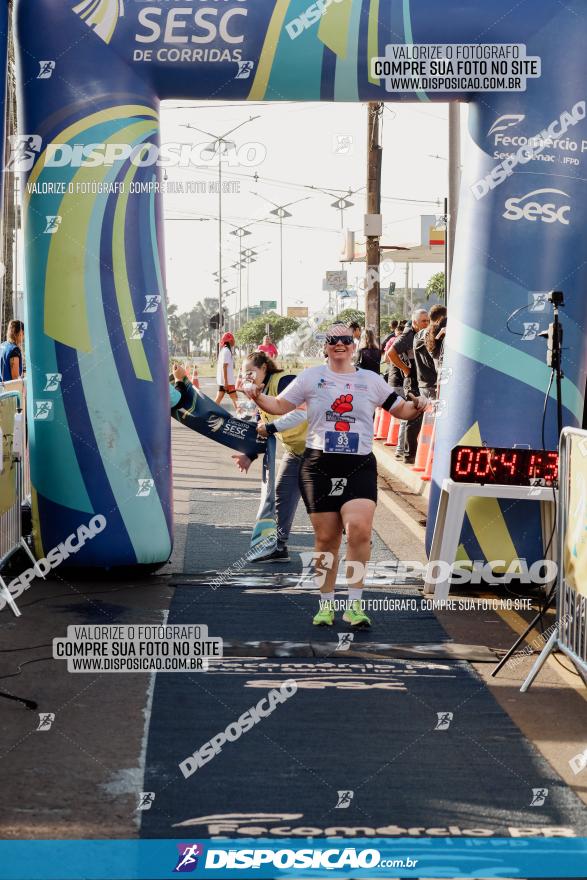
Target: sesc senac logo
column 101, row 15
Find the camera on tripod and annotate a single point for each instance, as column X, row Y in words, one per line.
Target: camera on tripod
column 554, row 334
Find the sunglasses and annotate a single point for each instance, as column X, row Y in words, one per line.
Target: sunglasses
column 334, row 340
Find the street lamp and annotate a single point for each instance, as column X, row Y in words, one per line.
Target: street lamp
column 342, row 202
column 280, row 212
column 220, row 144
column 240, row 232
column 248, row 257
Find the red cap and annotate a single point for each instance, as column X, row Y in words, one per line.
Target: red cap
column 227, row 337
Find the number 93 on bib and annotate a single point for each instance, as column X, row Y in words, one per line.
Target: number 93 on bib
column 341, row 441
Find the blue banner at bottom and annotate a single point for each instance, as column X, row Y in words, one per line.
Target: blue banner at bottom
column 303, row 858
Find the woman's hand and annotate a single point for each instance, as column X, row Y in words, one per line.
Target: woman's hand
column 251, row 390
column 421, row 403
column 242, row 461
column 179, row 372
column 411, row 409
column 262, row 430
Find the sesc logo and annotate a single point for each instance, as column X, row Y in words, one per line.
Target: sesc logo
column 528, row 208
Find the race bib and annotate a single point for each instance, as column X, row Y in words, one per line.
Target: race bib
column 341, row 441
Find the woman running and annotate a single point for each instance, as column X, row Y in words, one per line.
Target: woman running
column 260, row 370
column 338, row 475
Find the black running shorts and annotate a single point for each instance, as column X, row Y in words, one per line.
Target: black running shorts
column 329, row 480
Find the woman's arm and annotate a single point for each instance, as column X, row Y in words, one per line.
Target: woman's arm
column 15, row 368
column 275, row 406
column 291, row 420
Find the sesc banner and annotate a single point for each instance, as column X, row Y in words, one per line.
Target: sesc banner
column 196, row 411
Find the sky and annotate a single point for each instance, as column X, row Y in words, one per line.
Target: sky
column 292, row 147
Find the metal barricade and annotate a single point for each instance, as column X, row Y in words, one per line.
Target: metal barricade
column 570, row 631
column 11, row 485
column 19, row 385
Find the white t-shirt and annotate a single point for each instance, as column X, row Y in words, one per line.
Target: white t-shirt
column 340, row 407
column 225, row 357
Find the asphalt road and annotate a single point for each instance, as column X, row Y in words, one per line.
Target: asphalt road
column 360, row 723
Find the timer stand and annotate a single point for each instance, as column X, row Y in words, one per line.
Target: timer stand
column 554, row 335
column 451, row 513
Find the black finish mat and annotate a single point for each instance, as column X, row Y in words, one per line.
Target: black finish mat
column 422, row 746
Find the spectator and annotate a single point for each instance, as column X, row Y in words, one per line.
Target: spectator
column 400, row 353
column 11, row 352
column 426, row 367
column 268, row 347
column 355, row 327
column 369, row 357
column 435, row 336
column 392, row 332
column 225, row 370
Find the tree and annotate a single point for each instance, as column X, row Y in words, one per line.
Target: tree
column 173, row 325
column 252, row 333
column 347, row 316
column 436, row 286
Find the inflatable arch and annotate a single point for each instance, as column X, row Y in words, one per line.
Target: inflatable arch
column 94, row 72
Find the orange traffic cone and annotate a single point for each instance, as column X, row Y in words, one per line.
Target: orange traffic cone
column 424, row 441
column 393, row 433
column 427, row 475
column 378, row 412
column 383, row 426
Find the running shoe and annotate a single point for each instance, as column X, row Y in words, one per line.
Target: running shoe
column 275, row 556
column 325, row 615
column 356, row 616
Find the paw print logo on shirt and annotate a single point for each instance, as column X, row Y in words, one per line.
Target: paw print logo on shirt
column 341, row 406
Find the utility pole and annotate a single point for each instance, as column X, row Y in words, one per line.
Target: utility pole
column 372, row 230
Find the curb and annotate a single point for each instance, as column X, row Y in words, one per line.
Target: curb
column 387, row 463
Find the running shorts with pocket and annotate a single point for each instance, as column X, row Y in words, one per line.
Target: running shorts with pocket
column 329, row 480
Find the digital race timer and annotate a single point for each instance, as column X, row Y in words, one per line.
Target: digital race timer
column 506, row 467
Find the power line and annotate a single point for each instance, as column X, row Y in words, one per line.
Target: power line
column 289, row 184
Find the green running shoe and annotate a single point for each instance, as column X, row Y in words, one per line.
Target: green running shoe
column 325, row 615
column 356, row 616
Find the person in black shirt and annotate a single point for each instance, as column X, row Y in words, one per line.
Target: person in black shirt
column 435, row 336
column 369, row 357
column 426, row 369
column 391, row 335
column 401, row 355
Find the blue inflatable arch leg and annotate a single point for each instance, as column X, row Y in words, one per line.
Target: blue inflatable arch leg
column 96, row 323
